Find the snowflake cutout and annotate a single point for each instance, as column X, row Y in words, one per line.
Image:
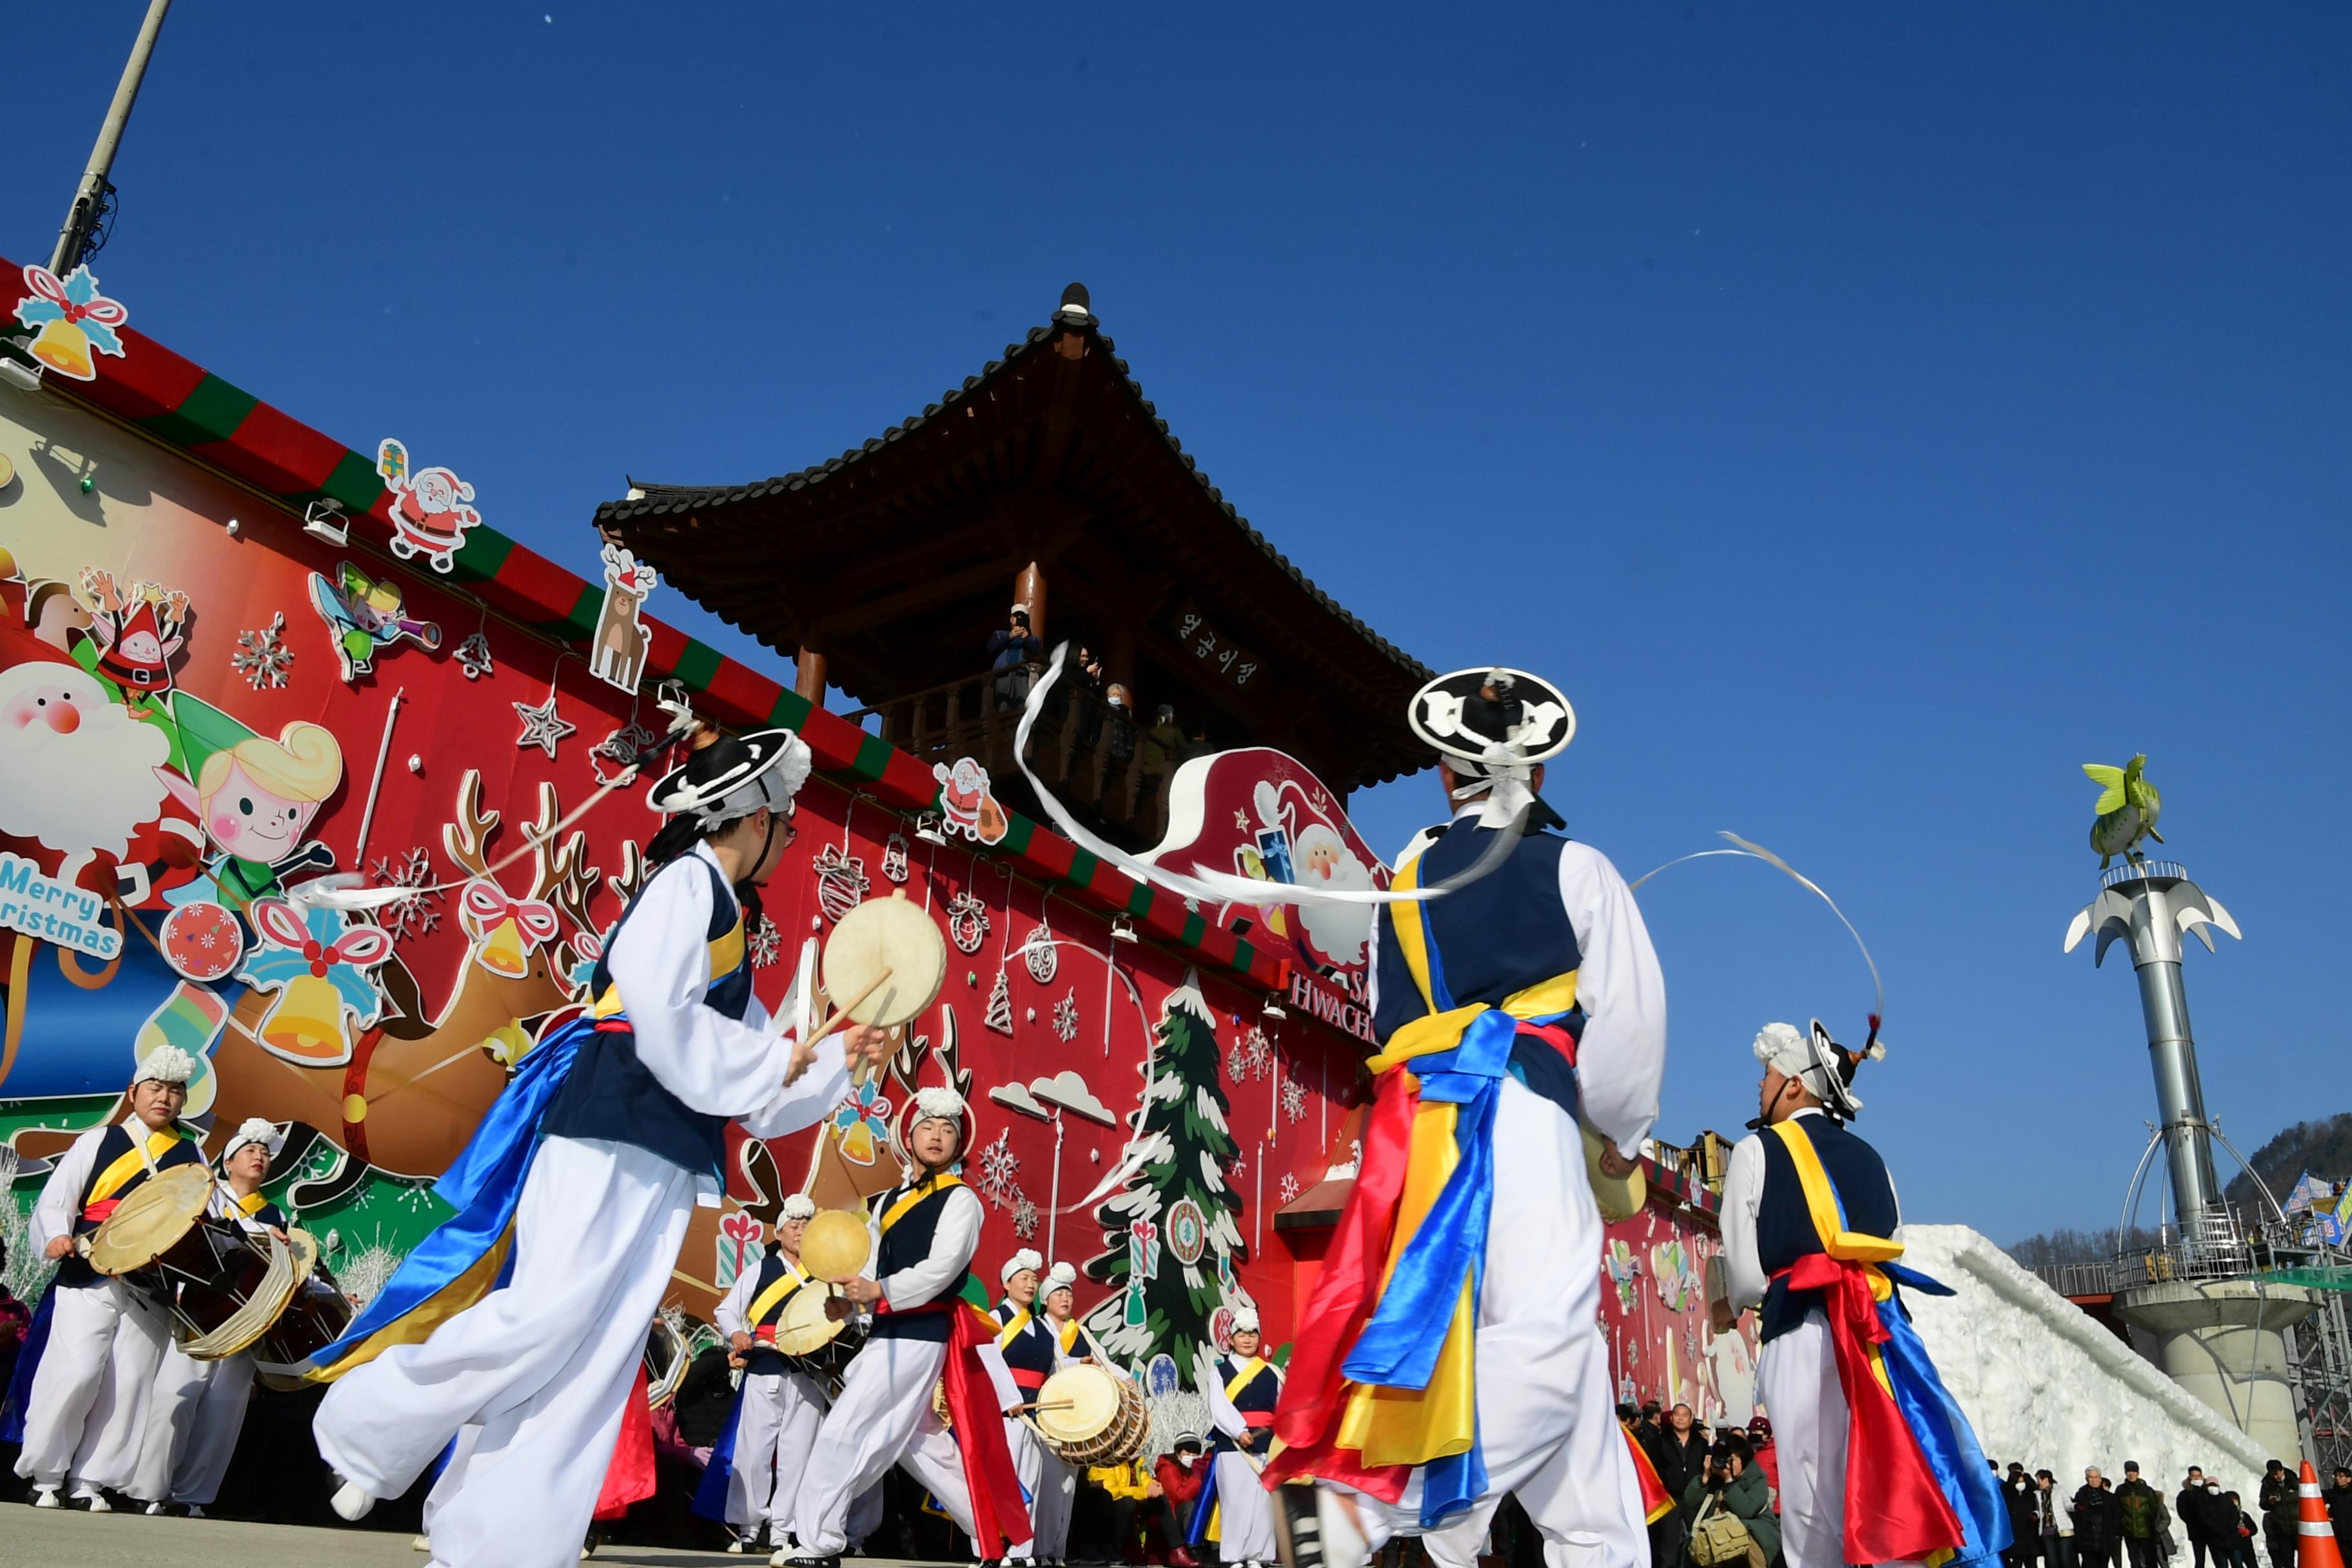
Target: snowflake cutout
column 414, row 915
column 474, row 656
column 840, row 881
column 1024, row 1219
column 1065, row 1017
column 1294, row 1098
column 1261, row 1053
column 999, row 1171
column 1240, row 1166
column 893, row 857
column 262, row 656
column 967, row 922
column 1289, row 1188
column 1237, row 1062
column 766, row 940
column 414, row 1197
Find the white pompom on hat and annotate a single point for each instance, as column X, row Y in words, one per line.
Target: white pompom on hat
column 255, row 1130
column 1061, row 1276
column 935, row 1103
column 800, row 1205
column 1025, row 1258
column 164, row 1064
column 1245, row 1321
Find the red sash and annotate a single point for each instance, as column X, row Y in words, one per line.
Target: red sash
column 1895, row 1511
column 629, row 1478
column 998, row 1510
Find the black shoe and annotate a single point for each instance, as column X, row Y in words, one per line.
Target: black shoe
column 829, row 1560
column 1298, row 1530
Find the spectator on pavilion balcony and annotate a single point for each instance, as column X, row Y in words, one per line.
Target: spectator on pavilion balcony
column 1009, row 652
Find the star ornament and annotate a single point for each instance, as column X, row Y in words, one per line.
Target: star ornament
column 541, row 725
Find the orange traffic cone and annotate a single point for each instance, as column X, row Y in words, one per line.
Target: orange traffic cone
column 2315, row 1538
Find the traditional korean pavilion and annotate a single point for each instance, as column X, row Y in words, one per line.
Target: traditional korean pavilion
column 1046, row 479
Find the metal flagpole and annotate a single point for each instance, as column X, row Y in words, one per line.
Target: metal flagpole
column 90, row 200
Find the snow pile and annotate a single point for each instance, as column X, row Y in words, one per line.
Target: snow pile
column 2046, row 1384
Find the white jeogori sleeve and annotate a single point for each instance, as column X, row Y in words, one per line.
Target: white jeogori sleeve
column 1743, row 1190
column 55, row 1211
column 730, row 1315
column 661, row 962
column 952, row 1242
column 1622, row 1059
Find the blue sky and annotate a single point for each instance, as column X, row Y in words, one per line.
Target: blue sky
column 1867, row 413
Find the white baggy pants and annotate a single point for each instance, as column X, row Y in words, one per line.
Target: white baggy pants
column 1244, row 1514
column 193, row 1421
column 88, row 1406
column 883, row 1417
column 1797, row 1377
column 1049, row 1505
column 543, row 1366
column 1546, row 1413
column 1028, row 1468
column 774, row 1430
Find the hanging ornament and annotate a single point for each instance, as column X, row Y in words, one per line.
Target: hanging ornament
column 474, row 656
column 967, row 922
column 1024, row 1219
column 1261, row 1053
column 999, row 1016
column 999, row 1169
column 1237, row 1062
column 841, row 883
column 1039, row 952
column 1065, row 1017
column 1294, row 1100
column 262, row 656
column 765, row 940
column 894, row 856
column 542, row 726
column 622, row 747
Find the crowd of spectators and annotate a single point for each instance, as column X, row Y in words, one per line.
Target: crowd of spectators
column 2102, row 1524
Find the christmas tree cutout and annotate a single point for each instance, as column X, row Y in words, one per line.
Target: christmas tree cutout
column 999, row 1016
column 1180, row 1136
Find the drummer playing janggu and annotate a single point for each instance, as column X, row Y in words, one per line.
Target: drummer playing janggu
column 90, row 1390
column 1056, row 1493
column 1027, row 1346
column 777, row 1412
column 198, row 1406
column 923, row 1234
column 611, row 1132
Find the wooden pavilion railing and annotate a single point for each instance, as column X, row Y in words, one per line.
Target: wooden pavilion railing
column 1096, row 758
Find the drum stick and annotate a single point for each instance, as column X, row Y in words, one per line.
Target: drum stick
column 837, row 1014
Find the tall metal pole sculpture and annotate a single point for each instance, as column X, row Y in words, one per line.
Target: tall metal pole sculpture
column 2197, row 1311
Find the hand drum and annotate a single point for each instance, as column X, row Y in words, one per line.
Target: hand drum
column 835, row 1245
column 893, row 941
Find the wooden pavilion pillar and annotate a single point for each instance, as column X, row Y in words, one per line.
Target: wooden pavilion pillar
column 1029, row 588
column 808, row 678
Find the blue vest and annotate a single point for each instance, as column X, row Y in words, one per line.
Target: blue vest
column 1033, row 1354
column 610, row 1094
column 1260, row 1394
column 906, row 1242
column 1499, row 935
column 73, row 1270
column 1784, row 1226
column 766, row 1361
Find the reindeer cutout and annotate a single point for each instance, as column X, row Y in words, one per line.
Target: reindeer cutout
column 617, row 650
column 414, row 1089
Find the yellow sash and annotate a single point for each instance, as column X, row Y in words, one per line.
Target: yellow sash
column 1069, row 1336
column 936, row 1183
column 726, row 957
column 1241, row 1380
column 1014, row 1329
column 769, row 1299
column 1829, row 1225
column 129, row 1167
column 250, row 1205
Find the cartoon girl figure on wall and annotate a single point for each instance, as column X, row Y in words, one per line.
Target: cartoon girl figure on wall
column 254, row 799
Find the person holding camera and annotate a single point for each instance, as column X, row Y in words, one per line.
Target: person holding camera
column 1730, row 1510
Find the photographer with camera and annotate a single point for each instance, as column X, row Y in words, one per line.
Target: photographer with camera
column 1730, row 1510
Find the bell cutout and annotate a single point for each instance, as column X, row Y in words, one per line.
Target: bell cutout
column 857, row 1144
column 64, row 349
column 501, row 952
column 307, row 1025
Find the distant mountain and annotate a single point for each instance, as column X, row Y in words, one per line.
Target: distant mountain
column 2324, row 1148
column 2056, row 1247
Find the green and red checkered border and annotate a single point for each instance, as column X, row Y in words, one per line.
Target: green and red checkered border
column 182, row 405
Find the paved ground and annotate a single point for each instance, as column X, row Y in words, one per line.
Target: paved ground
column 40, row 1538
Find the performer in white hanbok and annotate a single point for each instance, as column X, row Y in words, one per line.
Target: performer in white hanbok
column 580, row 1182
column 1029, row 1357
column 779, row 1406
column 198, row 1406
column 1809, row 1221
column 1452, row 1351
column 96, row 1342
column 924, row 1338
column 1057, row 1493
column 1242, row 1389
